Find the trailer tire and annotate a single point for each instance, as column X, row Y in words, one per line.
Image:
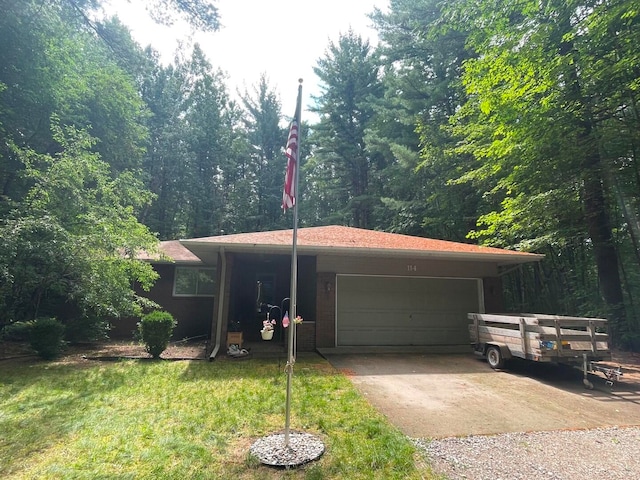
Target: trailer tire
column 495, row 359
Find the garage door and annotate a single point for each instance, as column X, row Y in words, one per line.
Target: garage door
column 374, row 310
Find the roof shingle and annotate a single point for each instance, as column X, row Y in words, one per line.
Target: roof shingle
column 175, row 251
column 341, row 237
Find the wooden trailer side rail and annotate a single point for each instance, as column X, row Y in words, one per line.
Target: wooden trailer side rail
column 540, row 337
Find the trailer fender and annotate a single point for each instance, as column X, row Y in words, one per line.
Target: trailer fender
column 496, row 354
column 504, row 349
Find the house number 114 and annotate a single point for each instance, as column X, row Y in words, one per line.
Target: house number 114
column 412, row 268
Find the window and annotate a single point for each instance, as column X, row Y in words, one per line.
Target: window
column 194, row 282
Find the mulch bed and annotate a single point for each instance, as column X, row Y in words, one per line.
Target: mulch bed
column 112, row 350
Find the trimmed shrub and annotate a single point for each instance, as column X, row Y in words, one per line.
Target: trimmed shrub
column 16, row 332
column 155, row 330
column 47, row 337
column 87, row 328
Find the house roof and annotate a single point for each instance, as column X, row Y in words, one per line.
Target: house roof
column 340, row 240
column 175, row 251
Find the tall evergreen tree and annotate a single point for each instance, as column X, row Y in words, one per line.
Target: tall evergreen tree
column 166, row 160
column 343, row 175
column 266, row 161
column 212, row 123
column 422, row 91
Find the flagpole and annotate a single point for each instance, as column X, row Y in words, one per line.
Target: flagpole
column 298, row 448
column 294, row 276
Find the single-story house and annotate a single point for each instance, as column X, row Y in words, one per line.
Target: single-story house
column 356, row 287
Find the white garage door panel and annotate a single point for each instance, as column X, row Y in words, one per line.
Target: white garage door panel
column 404, row 310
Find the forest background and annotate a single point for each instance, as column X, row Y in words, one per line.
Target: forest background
column 511, row 124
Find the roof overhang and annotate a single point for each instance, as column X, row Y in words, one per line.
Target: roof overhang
column 208, row 252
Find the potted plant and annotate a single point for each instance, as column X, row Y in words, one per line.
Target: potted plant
column 267, row 329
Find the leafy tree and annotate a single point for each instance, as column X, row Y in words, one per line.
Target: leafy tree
column 540, row 120
column 51, row 63
column 201, row 14
column 70, row 247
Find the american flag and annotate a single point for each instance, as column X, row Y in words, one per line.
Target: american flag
column 291, row 152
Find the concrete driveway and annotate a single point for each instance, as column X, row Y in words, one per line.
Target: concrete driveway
column 452, row 395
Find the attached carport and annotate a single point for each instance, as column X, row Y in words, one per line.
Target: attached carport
column 375, row 310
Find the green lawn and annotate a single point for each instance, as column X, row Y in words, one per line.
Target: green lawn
column 187, row 420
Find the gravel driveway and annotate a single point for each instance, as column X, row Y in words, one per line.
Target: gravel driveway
column 470, row 419
column 604, row 453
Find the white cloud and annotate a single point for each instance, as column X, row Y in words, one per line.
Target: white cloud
column 281, row 38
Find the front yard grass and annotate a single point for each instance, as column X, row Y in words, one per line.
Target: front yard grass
column 141, row 419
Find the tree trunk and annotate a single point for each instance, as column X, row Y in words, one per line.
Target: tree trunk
column 595, row 207
column 599, row 229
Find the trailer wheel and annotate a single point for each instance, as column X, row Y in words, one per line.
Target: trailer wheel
column 494, row 357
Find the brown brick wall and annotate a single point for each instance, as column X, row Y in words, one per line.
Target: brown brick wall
column 493, row 298
column 306, row 336
column 325, row 310
column 193, row 314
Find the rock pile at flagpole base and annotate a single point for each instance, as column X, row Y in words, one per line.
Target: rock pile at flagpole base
column 303, row 448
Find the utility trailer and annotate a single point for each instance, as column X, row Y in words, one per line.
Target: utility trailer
column 580, row 342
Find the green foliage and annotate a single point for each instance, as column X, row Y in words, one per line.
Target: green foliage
column 35, row 254
column 155, row 330
column 55, row 64
column 74, row 238
column 86, row 328
column 196, row 163
column 515, row 125
column 343, row 176
column 200, row 14
column 527, row 124
column 258, row 188
column 46, row 337
column 68, row 200
column 545, row 123
column 422, row 90
column 16, row 332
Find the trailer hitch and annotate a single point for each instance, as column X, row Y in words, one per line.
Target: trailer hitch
column 610, row 373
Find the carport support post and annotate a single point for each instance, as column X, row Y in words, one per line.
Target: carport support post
column 294, row 276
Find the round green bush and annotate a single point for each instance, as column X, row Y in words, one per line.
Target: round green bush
column 47, row 337
column 155, row 330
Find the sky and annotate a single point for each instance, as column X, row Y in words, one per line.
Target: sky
column 280, row 38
